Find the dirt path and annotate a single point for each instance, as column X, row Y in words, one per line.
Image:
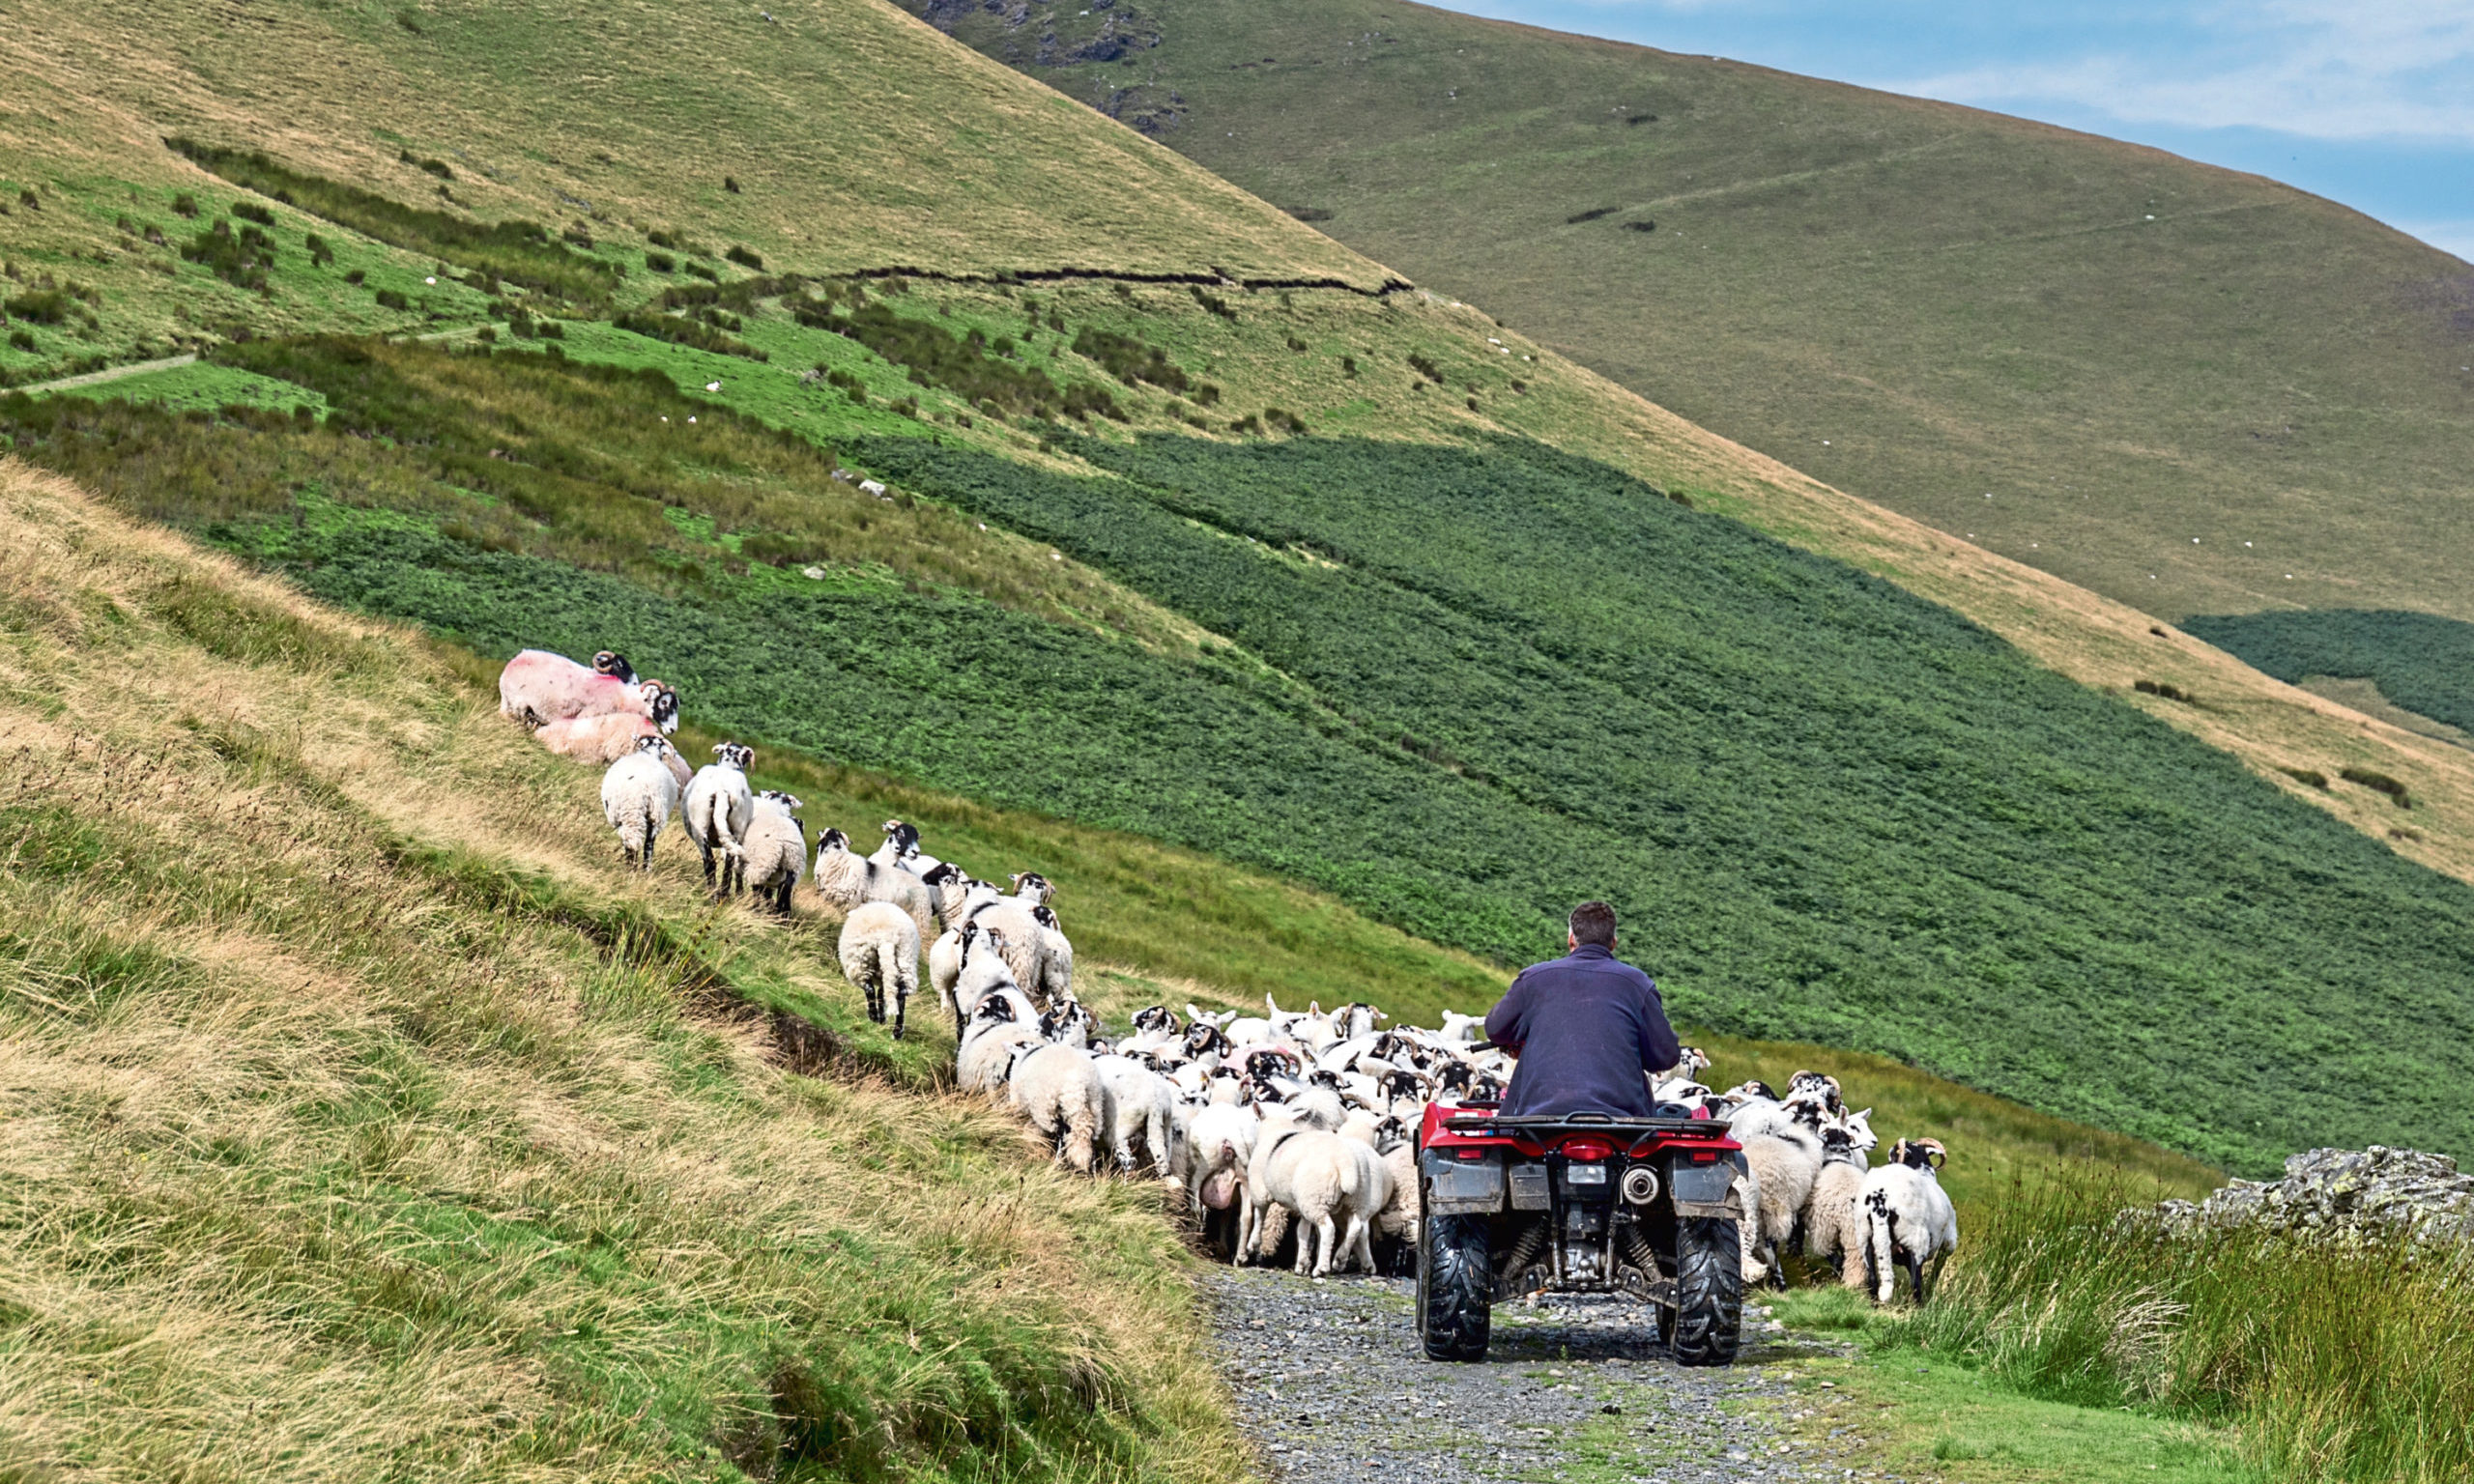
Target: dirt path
column 110, row 373
column 1330, row 1382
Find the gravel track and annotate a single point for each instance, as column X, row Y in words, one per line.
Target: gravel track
column 1330, row 1384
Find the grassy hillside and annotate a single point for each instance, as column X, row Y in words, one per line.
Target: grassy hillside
column 1837, row 814
column 368, row 1117
column 1916, row 303
column 1287, row 576
column 839, row 135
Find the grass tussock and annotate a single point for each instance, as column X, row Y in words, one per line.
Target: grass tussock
column 2328, row 1366
column 367, row 1120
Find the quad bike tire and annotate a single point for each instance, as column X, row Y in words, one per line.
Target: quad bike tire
column 1455, row 1288
column 1706, row 1324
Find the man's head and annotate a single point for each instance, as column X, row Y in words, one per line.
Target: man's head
column 1592, row 923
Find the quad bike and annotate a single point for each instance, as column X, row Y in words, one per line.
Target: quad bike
column 1577, row 1203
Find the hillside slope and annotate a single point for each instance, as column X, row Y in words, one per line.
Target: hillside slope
column 1917, row 302
column 1286, row 576
column 365, row 1118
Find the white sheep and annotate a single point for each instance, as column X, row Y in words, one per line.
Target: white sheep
column 1910, row 1219
column 1784, row 1166
column 1320, row 1179
column 1060, row 1091
column 999, row 1031
column 879, row 952
column 1056, row 956
column 718, row 807
column 1220, row 1142
column 1144, row 1110
column 846, row 880
column 774, row 850
column 1834, row 1219
column 980, row 972
column 638, row 797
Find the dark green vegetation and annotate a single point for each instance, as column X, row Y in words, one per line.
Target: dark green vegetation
column 1916, row 303
column 516, row 252
column 2421, row 662
column 1468, row 686
column 2326, row 1364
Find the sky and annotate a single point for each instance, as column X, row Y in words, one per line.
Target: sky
column 2368, row 103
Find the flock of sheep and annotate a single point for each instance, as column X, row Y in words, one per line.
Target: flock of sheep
column 1298, row 1119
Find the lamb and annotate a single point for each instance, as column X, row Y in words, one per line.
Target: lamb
column 1060, row 1090
column 1784, row 1163
column 719, row 805
column 879, row 953
column 537, row 685
column 1835, row 1223
column 1143, row 1106
column 1910, row 1219
column 1316, row 1175
column 638, row 797
column 846, row 880
column 774, row 850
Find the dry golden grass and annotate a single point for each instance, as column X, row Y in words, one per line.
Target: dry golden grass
column 314, row 1168
column 857, row 137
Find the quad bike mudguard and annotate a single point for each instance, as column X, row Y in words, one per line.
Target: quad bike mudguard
column 1577, row 1203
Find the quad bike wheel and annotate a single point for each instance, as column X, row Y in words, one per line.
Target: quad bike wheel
column 1455, row 1306
column 1706, row 1324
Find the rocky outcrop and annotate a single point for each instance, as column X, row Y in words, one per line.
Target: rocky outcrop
column 2373, row 1194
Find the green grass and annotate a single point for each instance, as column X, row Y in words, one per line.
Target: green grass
column 2420, row 662
column 2327, row 1363
column 1916, row 303
column 202, row 386
column 1836, row 814
column 1925, row 1414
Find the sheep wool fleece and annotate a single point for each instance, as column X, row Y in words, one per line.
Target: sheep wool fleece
column 1586, row 1026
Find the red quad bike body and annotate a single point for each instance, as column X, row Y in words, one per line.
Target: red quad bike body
column 1577, row 1203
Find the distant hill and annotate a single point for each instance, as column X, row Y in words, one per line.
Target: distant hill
column 1922, row 305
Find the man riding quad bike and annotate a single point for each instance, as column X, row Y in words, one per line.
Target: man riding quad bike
column 1577, row 1182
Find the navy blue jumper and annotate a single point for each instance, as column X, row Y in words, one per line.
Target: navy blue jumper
column 1586, row 1027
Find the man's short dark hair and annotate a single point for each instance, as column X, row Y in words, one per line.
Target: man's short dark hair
column 1593, row 922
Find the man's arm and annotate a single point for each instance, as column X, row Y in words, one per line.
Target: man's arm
column 1504, row 1022
column 1659, row 1046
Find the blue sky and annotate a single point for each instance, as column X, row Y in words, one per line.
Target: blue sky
column 2370, row 102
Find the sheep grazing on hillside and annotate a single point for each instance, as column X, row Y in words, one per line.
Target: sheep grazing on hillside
column 1910, row 1220
column 1835, row 1223
column 879, row 952
column 773, row 852
column 718, row 807
column 846, row 880
column 638, row 797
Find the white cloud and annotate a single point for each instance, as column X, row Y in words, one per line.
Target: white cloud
column 2323, row 69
